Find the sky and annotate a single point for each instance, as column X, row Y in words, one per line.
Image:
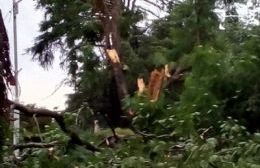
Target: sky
column 36, row 84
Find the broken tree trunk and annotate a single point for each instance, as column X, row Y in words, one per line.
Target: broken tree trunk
column 109, row 15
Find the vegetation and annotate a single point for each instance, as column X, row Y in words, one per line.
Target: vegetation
column 180, row 91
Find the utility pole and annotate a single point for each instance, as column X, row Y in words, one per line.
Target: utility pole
column 16, row 115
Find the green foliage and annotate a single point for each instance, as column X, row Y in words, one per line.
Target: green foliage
column 156, row 117
column 233, row 147
column 67, row 25
column 211, row 120
column 3, row 136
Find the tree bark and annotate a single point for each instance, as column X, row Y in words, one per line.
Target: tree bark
column 109, row 16
column 116, row 44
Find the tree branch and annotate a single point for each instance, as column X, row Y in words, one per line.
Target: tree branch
column 128, row 4
column 133, row 4
column 153, row 4
column 177, row 75
column 149, row 11
column 74, row 138
column 35, row 145
column 152, row 136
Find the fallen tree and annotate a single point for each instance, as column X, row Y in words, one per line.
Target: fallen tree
column 59, row 118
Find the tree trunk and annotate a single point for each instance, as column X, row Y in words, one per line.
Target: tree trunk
column 110, row 12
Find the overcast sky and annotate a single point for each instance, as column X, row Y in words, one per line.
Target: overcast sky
column 36, row 84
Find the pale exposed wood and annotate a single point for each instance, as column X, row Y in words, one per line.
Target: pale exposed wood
column 96, row 126
column 141, row 86
column 155, row 84
column 113, row 56
column 167, row 72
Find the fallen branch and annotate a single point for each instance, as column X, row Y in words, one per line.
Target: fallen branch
column 202, row 135
column 153, row 136
column 35, row 145
column 58, row 116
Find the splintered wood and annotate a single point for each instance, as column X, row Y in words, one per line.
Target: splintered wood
column 141, row 86
column 167, row 71
column 155, row 83
column 113, row 56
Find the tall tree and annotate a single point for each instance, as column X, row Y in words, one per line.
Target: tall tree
column 80, row 27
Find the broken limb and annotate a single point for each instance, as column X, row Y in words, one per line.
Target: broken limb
column 35, row 145
column 74, row 138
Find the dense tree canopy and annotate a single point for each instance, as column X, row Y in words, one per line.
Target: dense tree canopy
column 183, row 91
